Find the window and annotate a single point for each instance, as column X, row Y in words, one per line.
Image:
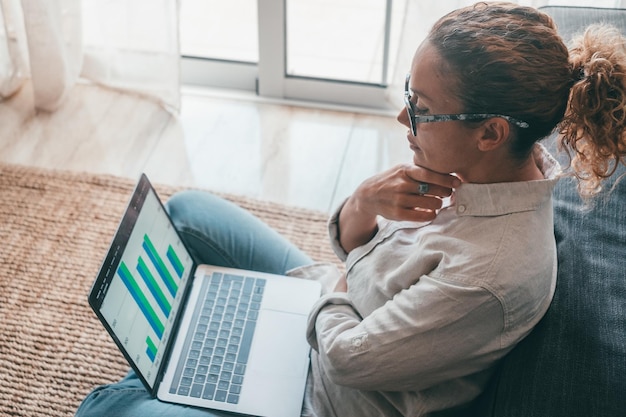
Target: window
column 323, row 50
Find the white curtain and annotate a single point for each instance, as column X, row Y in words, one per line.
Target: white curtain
column 126, row 45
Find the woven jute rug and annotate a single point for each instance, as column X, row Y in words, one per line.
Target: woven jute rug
column 55, row 228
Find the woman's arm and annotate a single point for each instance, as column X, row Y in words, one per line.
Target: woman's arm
column 407, row 345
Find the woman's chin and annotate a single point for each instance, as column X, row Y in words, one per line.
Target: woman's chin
column 419, row 161
column 424, row 164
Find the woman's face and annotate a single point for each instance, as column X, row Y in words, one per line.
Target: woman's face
column 446, row 147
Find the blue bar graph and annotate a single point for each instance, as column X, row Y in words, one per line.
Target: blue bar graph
column 156, row 260
column 151, row 350
column 154, row 288
column 141, row 300
column 178, row 266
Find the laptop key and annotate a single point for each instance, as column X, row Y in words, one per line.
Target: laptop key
column 233, row 399
column 246, row 341
column 248, row 286
column 196, row 390
column 240, row 369
column 220, row 396
column 209, row 391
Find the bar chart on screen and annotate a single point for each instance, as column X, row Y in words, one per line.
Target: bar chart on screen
column 149, row 279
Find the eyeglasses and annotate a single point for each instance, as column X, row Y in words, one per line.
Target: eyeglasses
column 414, row 119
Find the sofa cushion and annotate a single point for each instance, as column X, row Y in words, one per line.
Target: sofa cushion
column 574, row 362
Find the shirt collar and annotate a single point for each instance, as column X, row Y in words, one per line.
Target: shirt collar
column 497, row 199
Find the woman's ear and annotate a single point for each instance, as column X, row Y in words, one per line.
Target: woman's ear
column 495, row 132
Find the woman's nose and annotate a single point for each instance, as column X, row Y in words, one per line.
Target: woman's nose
column 403, row 118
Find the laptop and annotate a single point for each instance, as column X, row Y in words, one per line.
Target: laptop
column 201, row 335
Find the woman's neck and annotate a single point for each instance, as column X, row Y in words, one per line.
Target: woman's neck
column 493, row 170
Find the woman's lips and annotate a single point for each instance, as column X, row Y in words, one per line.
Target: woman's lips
column 413, row 146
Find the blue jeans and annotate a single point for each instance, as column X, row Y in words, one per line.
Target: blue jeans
column 216, row 232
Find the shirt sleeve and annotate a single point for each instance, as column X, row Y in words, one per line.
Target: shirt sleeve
column 333, row 233
column 428, row 333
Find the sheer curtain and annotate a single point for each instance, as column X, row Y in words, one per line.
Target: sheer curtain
column 420, row 15
column 126, row 45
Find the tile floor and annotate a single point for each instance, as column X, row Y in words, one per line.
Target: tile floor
column 306, row 157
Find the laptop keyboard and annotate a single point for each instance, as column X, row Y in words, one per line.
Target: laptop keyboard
column 217, row 350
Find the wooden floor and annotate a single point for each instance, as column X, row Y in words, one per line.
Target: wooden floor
column 293, row 155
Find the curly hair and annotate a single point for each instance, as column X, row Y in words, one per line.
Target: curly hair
column 595, row 122
column 509, row 59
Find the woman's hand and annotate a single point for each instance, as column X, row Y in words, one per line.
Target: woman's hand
column 396, row 194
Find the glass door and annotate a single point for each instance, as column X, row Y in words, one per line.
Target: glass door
column 219, row 43
column 338, row 52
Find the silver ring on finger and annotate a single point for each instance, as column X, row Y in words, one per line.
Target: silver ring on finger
column 423, row 188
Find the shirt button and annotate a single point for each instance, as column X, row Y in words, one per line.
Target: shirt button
column 462, row 208
column 357, row 342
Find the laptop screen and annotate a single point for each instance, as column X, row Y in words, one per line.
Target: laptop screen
column 141, row 283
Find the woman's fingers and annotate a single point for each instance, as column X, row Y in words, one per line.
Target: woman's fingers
column 422, row 193
column 431, row 182
column 405, row 192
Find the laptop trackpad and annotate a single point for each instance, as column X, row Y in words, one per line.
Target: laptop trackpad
column 280, row 345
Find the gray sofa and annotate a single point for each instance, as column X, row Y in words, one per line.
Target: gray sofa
column 574, row 362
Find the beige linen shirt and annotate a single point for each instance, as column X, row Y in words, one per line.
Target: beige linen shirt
column 431, row 307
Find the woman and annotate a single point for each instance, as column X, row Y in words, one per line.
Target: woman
column 450, row 260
